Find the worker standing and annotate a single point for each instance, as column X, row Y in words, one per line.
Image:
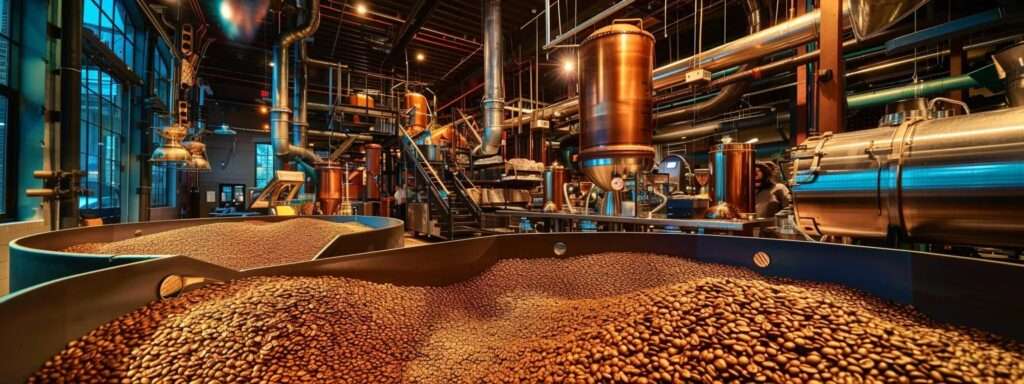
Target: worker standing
column 400, row 202
column 771, row 196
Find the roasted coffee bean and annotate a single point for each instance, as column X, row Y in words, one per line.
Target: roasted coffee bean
column 618, row 317
column 239, row 245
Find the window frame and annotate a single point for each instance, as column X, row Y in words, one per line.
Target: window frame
column 11, row 150
column 256, row 164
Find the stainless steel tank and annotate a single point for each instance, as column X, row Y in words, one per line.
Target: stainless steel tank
column 957, row 180
column 615, row 69
column 732, row 176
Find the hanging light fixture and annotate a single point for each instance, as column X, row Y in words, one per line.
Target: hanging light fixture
column 197, row 156
column 171, row 151
column 224, row 130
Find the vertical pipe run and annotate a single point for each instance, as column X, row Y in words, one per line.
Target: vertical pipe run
column 280, row 112
column 494, row 84
column 70, row 104
column 800, row 107
column 831, row 75
column 279, row 100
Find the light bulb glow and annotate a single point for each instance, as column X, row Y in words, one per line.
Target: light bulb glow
column 568, row 66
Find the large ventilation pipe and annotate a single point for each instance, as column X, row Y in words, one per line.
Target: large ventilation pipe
column 279, row 113
column 729, row 94
column 692, row 131
column 792, row 33
column 494, row 84
column 300, row 81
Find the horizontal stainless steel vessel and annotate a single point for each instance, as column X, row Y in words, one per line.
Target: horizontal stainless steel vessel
column 37, row 323
column 615, row 103
column 957, row 180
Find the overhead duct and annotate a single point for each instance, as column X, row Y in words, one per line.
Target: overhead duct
column 279, row 113
column 690, row 131
column 792, row 33
column 871, row 17
column 493, row 103
column 786, row 35
column 729, row 94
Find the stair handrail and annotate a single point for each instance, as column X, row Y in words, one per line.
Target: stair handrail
column 420, row 157
column 464, row 193
column 423, row 167
column 466, row 119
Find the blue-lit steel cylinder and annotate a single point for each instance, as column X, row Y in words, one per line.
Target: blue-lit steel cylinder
column 958, row 180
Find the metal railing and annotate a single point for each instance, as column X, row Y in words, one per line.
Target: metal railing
column 460, row 182
column 426, row 170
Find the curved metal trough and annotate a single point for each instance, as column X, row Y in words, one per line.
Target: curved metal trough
column 39, row 258
column 38, row 322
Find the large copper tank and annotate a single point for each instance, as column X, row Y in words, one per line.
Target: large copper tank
column 330, row 193
column 615, row 103
column 421, row 119
column 558, row 184
column 732, row 176
column 956, row 180
column 360, row 100
column 373, row 171
column 352, row 186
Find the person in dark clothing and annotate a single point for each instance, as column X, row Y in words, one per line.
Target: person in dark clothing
column 771, row 196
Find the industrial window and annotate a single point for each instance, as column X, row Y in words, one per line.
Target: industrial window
column 105, row 107
column 264, row 164
column 108, row 20
column 162, row 194
column 101, row 130
column 3, row 153
column 5, row 93
column 5, row 42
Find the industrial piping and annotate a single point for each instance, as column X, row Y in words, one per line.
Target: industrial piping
column 728, row 95
column 786, row 35
column 299, row 123
column 494, row 84
column 792, row 33
column 279, row 113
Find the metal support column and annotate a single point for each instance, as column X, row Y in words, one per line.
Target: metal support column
column 957, row 62
column 800, row 106
column 69, row 140
column 831, row 76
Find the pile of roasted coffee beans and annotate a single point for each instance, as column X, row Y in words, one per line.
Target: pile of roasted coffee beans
column 237, row 245
column 614, row 317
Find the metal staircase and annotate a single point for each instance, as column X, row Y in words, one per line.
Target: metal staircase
column 455, row 212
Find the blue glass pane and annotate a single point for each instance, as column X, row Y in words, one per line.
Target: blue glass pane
column 5, row 58
column 5, row 17
column 91, row 15
column 118, row 17
column 3, row 151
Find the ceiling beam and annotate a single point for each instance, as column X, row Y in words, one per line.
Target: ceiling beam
column 420, row 13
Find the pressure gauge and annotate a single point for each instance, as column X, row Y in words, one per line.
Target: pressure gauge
column 618, row 184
